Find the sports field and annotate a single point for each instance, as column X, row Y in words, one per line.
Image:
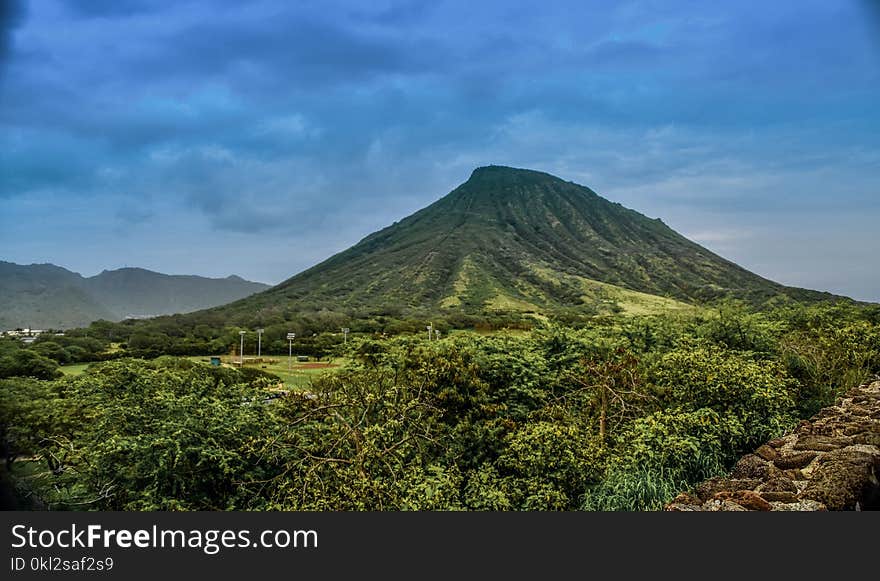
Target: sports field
column 294, row 374
column 299, row 375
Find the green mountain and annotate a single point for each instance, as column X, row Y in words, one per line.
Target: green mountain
column 44, row 296
column 517, row 240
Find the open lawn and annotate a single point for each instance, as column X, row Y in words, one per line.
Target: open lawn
column 299, row 375
column 74, row 368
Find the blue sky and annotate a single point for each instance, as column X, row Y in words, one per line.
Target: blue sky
column 259, row 138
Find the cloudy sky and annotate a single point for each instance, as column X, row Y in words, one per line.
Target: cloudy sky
column 258, row 138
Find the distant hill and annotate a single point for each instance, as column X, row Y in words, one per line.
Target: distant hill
column 47, row 296
column 516, row 240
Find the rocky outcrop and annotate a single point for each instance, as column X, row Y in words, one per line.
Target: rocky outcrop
column 830, row 462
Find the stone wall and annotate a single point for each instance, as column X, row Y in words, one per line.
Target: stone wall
column 830, row 462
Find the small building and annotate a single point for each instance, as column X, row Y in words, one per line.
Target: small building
column 215, row 361
column 302, row 358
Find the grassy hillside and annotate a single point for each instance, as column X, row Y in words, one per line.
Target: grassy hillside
column 522, row 241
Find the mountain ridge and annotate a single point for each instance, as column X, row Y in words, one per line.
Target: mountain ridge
column 45, row 295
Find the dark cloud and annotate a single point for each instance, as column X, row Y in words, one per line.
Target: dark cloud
column 290, row 49
column 12, row 14
column 871, row 11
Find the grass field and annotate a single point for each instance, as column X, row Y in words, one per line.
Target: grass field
column 74, row 368
column 299, row 376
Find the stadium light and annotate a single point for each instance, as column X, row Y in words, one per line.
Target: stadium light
column 260, row 342
column 241, row 349
column 290, row 338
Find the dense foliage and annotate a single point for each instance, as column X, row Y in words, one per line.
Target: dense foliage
column 617, row 415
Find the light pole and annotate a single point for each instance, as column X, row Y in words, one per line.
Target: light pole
column 241, row 349
column 345, row 335
column 430, row 329
column 290, row 338
column 259, row 342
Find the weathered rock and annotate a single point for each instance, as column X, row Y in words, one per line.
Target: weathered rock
column 687, row 499
column 679, row 507
column 787, row 497
column 796, row 460
column 801, row 506
column 824, row 413
column 723, row 506
column 831, row 462
column 747, row 499
column 863, row 427
column 751, row 466
column 821, row 443
column 794, row 474
column 778, row 484
column 843, row 478
column 864, row 448
column 870, row 439
column 767, row 452
column 711, row 487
